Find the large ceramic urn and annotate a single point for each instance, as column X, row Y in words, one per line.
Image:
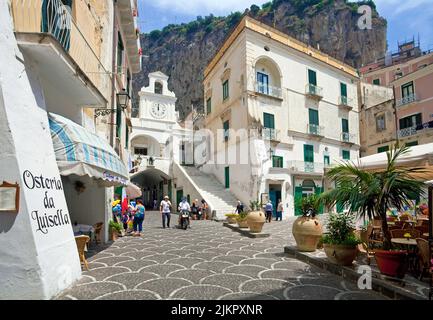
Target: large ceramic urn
column 341, row 254
column 256, row 220
column 307, row 232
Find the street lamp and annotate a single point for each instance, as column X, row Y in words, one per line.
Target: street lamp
column 122, row 99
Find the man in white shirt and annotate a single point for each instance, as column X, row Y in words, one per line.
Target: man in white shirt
column 165, row 209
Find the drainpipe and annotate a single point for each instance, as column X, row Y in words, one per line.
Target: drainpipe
column 113, row 72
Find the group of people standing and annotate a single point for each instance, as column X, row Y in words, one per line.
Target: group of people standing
column 197, row 211
column 130, row 216
column 269, row 209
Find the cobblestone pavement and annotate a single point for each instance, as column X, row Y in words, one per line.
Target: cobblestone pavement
column 208, row 261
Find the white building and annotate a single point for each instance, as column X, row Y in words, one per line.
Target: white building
column 281, row 111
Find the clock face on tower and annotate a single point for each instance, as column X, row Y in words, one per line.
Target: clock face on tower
column 158, row 110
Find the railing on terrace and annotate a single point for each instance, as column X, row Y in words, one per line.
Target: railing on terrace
column 313, row 90
column 411, row 131
column 347, row 137
column 407, row 100
column 270, row 134
column 266, row 89
column 54, row 18
column 345, row 101
column 315, row 129
column 306, row 167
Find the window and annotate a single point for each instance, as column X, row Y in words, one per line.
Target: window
column 411, row 144
column 343, row 90
column 225, row 90
column 227, row 177
column 346, row 155
column 118, row 121
column 127, row 137
column 268, row 120
column 158, row 88
column 128, row 83
column 313, row 116
column 407, row 90
column 277, row 162
column 326, row 160
column 208, row 105
column 262, row 83
column 383, row 149
column 120, row 53
column 376, row 82
column 312, row 77
column 411, row 121
column 140, row 151
column 345, row 125
column 308, row 153
column 226, row 127
column 380, row 123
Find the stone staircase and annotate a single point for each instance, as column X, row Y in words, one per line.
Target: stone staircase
column 220, row 199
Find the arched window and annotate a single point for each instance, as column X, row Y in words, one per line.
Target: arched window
column 158, row 87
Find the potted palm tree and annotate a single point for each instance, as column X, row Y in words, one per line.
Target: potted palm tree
column 371, row 195
column 307, row 229
column 340, row 243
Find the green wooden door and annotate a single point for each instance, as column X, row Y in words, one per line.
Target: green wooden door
column 343, row 89
column 313, row 116
column 312, row 77
column 179, row 196
column 308, row 153
column 227, row 177
column 318, row 191
column 298, row 198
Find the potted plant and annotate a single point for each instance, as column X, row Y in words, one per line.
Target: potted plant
column 242, row 220
column 307, row 229
column 340, row 243
column 255, row 218
column 371, row 195
column 115, row 229
column 231, row 218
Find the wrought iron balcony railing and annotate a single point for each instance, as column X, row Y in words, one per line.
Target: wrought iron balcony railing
column 314, row 91
column 345, row 102
column 315, row 129
column 411, row 131
column 347, row 137
column 266, row 89
column 407, row 100
column 270, row 134
column 306, row 167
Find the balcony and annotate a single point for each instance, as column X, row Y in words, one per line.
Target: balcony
column 65, row 54
column 345, row 103
column 314, row 92
column 306, row 168
column 315, row 130
column 271, row 134
column 407, row 100
column 348, row 138
column 267, row 90
column 411, row 131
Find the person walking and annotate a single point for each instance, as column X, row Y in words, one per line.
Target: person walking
column 280, row 209
column 239, row 207
column 204, row 209
column 269, row 208
column 138, row 218
column 165, row 210
column 195, row 210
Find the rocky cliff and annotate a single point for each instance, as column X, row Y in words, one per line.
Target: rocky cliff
column 183, row 51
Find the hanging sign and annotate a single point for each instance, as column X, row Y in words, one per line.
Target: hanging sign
column 9, row 197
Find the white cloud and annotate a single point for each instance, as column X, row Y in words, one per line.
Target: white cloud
column 203, row 7
column 397, row 7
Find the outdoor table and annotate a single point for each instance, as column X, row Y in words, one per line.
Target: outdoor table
column 411, row 249
column 404, row 241
column 426, row 234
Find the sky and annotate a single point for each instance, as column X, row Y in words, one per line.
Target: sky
column 406, row 18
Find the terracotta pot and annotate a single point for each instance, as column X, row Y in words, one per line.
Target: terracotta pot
column 307, row 232
column 243, row 223
column 341, row 254
column 392, row 263
column 114, row 235
column 231, row 220
column 256, row 220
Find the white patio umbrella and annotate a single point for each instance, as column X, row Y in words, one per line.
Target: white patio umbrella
column 133, row 191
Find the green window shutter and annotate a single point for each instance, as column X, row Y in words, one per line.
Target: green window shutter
column 226, row 126
column 383, row 149
column 418, row 119
column 407, row 89
column 225, row 90
column 411, row 144
column 277, row 162
column 318, row 191
column 227, row 177
column 376, row 82
column 343, row 89
column 313, row 116
column 298, row 198
column 127, row 137
column 308, row 153
column 268, row 120
column 118, row 122
column 345, row 125
column 326, row 160
column 312, row 77
column 208, row 106
column 346, row 155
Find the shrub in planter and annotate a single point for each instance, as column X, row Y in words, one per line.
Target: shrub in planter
column 231, row 218
column 115, row 229
column 242, row 220
column 372, row 195
column 340, row 242
column 307, row 229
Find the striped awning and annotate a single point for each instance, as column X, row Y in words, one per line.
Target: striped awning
column 81, row 152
